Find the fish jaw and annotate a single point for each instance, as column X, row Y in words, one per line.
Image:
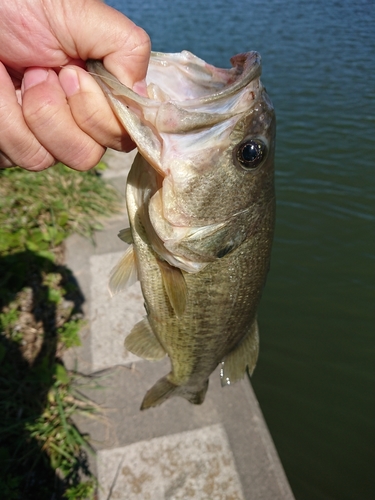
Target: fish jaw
column 186, row 95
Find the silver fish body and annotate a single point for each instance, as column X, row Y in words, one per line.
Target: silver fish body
column 201, row 204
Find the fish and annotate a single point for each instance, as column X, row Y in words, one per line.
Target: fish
column 201, row 204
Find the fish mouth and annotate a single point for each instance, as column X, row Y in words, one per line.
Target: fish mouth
column 186, row 96
column 191, row 82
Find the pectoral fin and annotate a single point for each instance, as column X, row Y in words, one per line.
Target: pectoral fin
column 124, row 273
column 175, row 286
column 142, row 342
column 244, row 356
column 126, row 235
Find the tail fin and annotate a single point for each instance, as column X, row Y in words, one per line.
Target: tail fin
column 164, row 389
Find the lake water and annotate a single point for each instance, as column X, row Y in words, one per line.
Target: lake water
column 315, row 378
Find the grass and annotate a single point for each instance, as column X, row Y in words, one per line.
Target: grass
column 38, row 211
column 42, row 453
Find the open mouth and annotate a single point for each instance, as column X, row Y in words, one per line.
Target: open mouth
column 185, row 96
column 185, row 77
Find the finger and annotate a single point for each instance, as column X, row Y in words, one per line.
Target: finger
column 18, row 144
column 105, row 34
column 91, row 111
column 129, row 62
column 5, row 162
column 48, row 116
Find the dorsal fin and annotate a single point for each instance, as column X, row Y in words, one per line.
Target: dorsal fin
column 175, row 286
column 124, row 273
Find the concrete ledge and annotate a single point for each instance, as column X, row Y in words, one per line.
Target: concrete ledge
column 219, row 450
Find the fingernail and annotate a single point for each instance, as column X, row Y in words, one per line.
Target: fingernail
column 33, row 77
column 69, row 81
column 141, row 88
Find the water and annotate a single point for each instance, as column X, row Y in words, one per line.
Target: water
column 314, row 380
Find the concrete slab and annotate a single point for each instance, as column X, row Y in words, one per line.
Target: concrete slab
column 235, row 408
column 111, row 318
column 195, row 464
column 78, row 254
column 119, row 163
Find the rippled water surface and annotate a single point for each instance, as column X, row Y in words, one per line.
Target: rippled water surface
column 315, row 375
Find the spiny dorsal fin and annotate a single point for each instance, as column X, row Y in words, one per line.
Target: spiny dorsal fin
column 126, row 235
column 244, row 355
column 142, row 342
column 175, row 286
column 124, row 273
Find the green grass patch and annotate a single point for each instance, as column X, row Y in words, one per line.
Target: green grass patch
column 42, row 453
column 39, row 210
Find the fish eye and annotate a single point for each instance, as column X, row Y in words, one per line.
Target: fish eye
column 250, row 153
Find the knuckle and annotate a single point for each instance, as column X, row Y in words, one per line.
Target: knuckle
column 37, row 160
column 97, row 120
column 5, row 162
column 142, row 43
column 90, row 120
column 137, row 41
column 141, row 38
column 86, row 156
column 38, row 112
column 20, row 147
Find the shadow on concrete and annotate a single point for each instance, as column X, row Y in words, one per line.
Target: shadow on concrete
column 28, row 360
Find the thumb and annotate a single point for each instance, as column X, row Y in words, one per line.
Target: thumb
column 98, row 31
column 129, row 59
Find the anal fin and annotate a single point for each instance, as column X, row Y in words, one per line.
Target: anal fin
column 244, row 356
column 142, row 342
column 175, row 286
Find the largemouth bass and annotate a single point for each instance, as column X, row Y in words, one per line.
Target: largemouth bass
column 201, row 205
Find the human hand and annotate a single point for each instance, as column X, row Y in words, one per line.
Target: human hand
column 51, row 109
